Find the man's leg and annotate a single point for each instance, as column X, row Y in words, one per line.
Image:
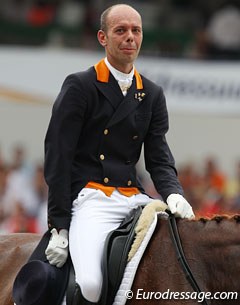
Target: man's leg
column 94, row 216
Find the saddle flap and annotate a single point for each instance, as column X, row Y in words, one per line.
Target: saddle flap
column 117, row 247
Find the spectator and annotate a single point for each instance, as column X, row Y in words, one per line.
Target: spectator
column 221, row 37
column 19, row 221
column 215, row 180
column 233, row 189
column 42, row 13
column 19, row 185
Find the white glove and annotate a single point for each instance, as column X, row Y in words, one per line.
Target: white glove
column 57, row 249
column 179, row 206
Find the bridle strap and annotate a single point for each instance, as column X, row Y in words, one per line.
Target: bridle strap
column 180, row 255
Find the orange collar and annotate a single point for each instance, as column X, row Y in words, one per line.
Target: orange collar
column 103, row 74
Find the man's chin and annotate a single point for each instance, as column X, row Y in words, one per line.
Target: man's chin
column 130, row 57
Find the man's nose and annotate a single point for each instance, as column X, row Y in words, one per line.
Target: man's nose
column 130, row 35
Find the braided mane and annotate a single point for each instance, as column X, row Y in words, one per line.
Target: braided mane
column 219, row 218
column 147, row 217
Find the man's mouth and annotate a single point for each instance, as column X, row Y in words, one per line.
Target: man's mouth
column 128, row 49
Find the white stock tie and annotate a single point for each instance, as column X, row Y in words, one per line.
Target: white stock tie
column 125, row 85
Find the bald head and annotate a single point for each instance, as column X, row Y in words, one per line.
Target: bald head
column 115, row 11
column 121, row 36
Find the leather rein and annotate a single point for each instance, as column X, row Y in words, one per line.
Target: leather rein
column 180, row 254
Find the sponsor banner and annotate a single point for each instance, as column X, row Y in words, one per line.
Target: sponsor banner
column 36, row 75
column 198, row 86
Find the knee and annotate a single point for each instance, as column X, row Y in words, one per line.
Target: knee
column 91, row 289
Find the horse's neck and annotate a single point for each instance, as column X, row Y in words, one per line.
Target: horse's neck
column 213, row 251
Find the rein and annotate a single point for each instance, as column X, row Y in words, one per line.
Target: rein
column 180, row 255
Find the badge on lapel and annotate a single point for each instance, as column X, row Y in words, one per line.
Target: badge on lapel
column 139, row 96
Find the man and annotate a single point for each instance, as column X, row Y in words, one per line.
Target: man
column 99, row 122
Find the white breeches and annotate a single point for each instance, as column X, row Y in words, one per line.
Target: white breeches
column 94, row 215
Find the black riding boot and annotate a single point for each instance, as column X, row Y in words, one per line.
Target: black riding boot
column 78, row 298
column 74, row 293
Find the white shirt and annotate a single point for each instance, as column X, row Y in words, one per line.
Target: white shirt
column 124, row 79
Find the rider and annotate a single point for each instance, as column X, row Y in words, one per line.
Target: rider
column 100, row 121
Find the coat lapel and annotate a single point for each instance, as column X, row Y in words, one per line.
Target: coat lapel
column 128, row 105
column 111, row 91
column 110, row 88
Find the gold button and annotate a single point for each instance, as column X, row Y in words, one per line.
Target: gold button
column 135, row 137
column 105, row 131
column 106, row 180
column 102, row 157
column 129, row 182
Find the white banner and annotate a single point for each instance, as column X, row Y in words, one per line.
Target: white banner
column 35, row 75
column 193, row 86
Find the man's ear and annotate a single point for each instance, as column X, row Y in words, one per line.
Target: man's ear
column 102, row 38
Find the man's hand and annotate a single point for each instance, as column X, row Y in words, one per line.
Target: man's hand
column 179, row 206
column 57, row 250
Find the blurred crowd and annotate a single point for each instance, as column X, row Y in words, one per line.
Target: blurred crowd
column 23, row 192
column 200, row 29
column 209, row 190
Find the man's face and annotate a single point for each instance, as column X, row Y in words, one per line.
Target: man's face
column 123, row 37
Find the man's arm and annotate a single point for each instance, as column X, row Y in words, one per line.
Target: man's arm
column 160, row 162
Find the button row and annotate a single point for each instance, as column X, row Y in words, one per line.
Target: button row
column 106, row 132
column 106, row 180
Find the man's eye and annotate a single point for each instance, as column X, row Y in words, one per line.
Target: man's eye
column 137, row 30
column 120, row 30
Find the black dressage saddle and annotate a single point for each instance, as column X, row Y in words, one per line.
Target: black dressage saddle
column 117, row 247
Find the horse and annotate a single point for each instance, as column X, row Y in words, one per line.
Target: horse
column 211, row 247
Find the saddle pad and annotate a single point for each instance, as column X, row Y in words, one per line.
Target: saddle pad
column 132, row 265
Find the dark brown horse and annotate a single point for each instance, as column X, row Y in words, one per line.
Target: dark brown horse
column 211, row 247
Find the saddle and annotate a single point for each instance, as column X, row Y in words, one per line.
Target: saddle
column 117, row 247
